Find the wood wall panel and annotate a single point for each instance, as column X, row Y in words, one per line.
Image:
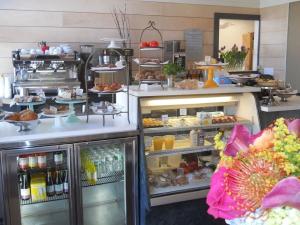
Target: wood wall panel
column 24, row 23
column 273, row 45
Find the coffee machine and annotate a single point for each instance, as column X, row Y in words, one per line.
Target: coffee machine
column 48, row 73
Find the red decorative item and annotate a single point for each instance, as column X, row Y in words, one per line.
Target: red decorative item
column 154, row 44
column 144, row 44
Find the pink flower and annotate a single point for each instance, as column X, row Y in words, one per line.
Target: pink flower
column 239, row 140
column 285, row 193
column 294, row 127
column 264, row 140
column 221, row 205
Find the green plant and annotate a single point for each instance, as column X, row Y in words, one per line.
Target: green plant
column 171, row 69
column 234, row 57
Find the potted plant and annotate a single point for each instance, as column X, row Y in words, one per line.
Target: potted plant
column 171, row 70
column 234, row 57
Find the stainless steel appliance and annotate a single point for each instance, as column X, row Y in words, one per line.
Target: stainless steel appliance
column 101, row 185
column 47, row 72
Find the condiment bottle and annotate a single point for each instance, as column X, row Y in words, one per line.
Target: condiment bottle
column 58, row 158
column 193, row 138
column 200, row 137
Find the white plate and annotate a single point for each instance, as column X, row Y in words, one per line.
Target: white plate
column 205, row 64
column 107, row 68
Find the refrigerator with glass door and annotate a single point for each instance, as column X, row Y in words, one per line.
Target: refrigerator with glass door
column 106, row 182
column 39, row 186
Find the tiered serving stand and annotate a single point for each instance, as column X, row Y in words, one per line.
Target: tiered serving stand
column 122, row 52
column 151, row 27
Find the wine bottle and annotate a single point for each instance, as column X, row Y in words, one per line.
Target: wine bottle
column 59, row 188
column 66, row 182
column 50, row 185
column 25, row 187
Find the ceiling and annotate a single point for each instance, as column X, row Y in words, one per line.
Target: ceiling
column 238, row 3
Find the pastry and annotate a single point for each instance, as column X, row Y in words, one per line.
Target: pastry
column 13, row 117
column 28, row 115
column 187, row 84
column 150, row 122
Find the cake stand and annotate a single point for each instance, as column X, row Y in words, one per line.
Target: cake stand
column 57, row 118
column 72, row 118
column 210, row 70
column 30, row 105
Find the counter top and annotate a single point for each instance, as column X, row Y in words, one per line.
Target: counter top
column 47, row 131
column 156, row 91
column 293, row 103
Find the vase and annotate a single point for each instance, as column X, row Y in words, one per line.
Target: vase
column 170, row 81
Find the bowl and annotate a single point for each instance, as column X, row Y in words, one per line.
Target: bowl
column 285, row 94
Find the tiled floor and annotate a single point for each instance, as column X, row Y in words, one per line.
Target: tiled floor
column 185, row 213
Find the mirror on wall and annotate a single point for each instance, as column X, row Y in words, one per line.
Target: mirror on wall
column 236, row 41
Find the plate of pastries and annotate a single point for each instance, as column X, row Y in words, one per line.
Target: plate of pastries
column 149, row 75
column 152, row 123
column 105, row 87
column 56, row 110
column 25, row 119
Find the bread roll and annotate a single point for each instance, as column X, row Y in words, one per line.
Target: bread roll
column 27, row 115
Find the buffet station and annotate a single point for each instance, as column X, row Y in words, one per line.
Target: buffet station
column 110, row 134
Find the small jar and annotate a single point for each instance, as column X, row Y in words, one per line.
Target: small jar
column 23, row 162
column 42, row 160
column 58, row 158
column 32, row 161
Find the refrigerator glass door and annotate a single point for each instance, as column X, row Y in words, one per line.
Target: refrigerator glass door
column 39, row 186
column 105, row 182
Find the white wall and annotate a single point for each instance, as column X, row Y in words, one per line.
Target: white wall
column 231, row 32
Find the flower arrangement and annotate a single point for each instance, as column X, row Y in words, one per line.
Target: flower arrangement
column 234, row 57
column 257, row 179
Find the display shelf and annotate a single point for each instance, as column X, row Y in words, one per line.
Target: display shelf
column 180, row 151
column 48, row 199
column 181, row 147
column 103, row 179
column 167, row 129
column 151, row 65
column 193, row 185
column 106, row 92
column 151, row 49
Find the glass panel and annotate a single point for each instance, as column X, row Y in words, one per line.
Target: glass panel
column 44, row 188
column 103, row 186
column 180, row 172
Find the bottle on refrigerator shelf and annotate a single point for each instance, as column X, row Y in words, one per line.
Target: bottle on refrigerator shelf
column 58, row 158
column 25, row 187
column 23, row 162
column 91, row 172
column 59, row 187
column 32, row 161
column 42, row 160
column 50, row 187
column 66, row 182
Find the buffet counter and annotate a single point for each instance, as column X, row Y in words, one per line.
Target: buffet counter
column 293, row 103
column 47, row 132
column 158, row 91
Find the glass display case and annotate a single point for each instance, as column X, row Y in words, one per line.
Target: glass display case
column 179, row 141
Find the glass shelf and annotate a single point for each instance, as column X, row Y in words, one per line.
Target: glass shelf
column 166, row 129
column 193, row 185
column 104, row 178
column 189, row 150
column 48, row 199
